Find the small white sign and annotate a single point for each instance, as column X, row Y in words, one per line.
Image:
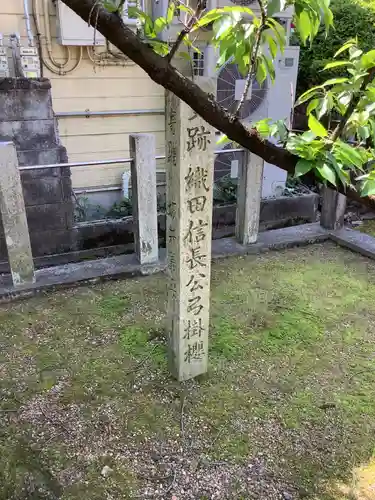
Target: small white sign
column 234, row 169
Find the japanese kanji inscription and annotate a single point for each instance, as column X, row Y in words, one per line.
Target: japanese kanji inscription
column 190, row 159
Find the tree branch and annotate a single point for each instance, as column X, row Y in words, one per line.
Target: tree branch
column 253, row 59
column 201, row 6
column 161, row 72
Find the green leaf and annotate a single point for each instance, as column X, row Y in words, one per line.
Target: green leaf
column 347, row 45
column 282, row 130
column 308, row 136
column 337, row 64
column 328, row 17
column 239, row 10
column 263, row 127
column 222, row 26
column 312, row 105
column 279, row 32
column 159, row 24
column 185, row 8
column 261, row 73
column 368, row 59
column 304, row 26
column 335, row 81
column 159, row 47
column 222, row 140
column 308, row 94
column 354, row 53
column 185, row 55
column 273, row 6
column 272, row 46
column 327, row 173
column 368, row 188
column 317, row 127
column 303, row 166
column 339, row 169
column 269, row 66
column 349, row 155
column 209, row 18
column 111, row 5
column 363, row 132
column 323, row 108
column 171, row 11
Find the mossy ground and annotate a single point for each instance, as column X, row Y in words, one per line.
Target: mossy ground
column 290, row 389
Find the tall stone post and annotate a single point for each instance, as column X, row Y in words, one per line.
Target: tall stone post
column 13, row 214
column 190, row 162
column 250, row 176
column 333, row 209
column 144, row 197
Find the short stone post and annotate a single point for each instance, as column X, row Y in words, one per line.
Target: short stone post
column 144, row 197
column 333, row 209
column 250, row 176
column 13, row 214
column 190, row 145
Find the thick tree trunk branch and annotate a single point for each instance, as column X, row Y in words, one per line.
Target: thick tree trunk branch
column 161, row 72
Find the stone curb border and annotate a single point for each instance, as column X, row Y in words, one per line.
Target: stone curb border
column 127, row 266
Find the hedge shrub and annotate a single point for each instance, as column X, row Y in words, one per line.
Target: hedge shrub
column 351, row 18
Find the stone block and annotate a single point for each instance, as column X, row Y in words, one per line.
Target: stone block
column 20, row 100
column 280, row 210
column 51, row 242
column 43, row 157
column 43, row 217
column 36, row 192
column 29, row 134
column 104, row 233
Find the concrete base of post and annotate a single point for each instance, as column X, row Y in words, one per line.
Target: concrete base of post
column 333, row 209
column 250, row 176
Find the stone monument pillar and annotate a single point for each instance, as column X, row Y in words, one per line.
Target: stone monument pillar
column 190, row 145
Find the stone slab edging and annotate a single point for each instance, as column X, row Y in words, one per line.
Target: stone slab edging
column 127, row 266
column 355, row 240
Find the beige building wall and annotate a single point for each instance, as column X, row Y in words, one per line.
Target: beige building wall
column 90, row 87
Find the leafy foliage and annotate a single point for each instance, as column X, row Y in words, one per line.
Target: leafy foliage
column 225, row 190
column 352, row 18
column 334, row 154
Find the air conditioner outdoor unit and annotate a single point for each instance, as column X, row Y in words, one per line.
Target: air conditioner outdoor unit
column 270, row 100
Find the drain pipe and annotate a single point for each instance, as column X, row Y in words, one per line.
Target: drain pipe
column 29, row 31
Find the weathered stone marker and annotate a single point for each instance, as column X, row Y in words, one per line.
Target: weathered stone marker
column 333, row 209
column 190, row 145
column 249, row 196
column 143, row 177
column 13, row 214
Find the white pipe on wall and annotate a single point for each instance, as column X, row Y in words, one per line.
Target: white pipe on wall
column 29, row 30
